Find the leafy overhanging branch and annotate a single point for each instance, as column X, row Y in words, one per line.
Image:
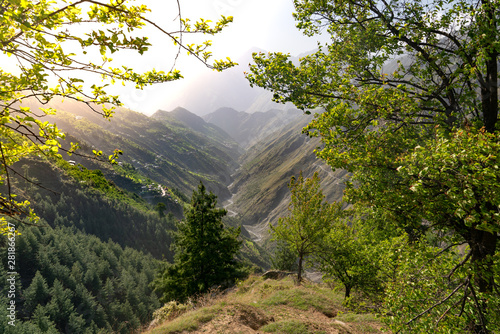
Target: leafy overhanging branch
column 37, row 36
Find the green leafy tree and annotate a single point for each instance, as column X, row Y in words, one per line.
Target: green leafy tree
column 40, row 38
column 307, row 222
column 393, row 72
column 347, row 254
column 425, row 287
column 204, row 251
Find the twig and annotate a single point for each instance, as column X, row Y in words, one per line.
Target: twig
column 8, row 179
column 435, row 305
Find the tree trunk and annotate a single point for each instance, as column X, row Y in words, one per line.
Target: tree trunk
column 347, row 291
column 489, row 90
column 483, row 247
column 483, row 244
column 299, row 273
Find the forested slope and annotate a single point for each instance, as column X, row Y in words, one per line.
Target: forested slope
column 164, row 150
column 72, row 282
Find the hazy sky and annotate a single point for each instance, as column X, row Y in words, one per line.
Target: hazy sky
column 266, row 24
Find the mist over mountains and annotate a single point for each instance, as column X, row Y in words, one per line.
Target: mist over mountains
column 229, row 89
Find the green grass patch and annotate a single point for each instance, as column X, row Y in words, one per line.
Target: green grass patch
column 94, row 180
column 285, row 327
column 189, row 321
column 356, row 318
column 301, row 299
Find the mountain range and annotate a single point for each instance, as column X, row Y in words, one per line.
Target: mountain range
column 95, row 215
column 247, row 158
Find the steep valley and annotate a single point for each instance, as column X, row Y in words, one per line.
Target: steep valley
column 104, row 228
column 260, row 187
column 246, row 158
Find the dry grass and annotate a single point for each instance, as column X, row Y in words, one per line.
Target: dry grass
column 271, row 306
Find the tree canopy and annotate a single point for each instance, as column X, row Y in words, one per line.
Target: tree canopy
column 52, row 43
column 408, row 93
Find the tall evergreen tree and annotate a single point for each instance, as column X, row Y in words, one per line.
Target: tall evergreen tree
column 204, row 251
column 37, row 293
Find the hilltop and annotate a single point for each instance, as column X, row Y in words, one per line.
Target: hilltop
column 259, row 305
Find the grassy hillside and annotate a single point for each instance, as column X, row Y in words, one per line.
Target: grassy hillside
column 266, row 306
column 73, row 196
column 183, row 118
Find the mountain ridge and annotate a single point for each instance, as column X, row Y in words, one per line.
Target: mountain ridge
column 247, row 129
column 198, row 124
column 168, row 153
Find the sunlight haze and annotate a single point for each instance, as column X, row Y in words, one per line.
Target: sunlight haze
column 263, row 24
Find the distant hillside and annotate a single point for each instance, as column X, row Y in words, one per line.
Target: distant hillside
column 168, row 152
column 260, row 189
column 247, row 129
column 73, row 196
column 187, row 119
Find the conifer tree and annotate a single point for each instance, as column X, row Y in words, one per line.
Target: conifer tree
column 204, row 251
column 37, row 293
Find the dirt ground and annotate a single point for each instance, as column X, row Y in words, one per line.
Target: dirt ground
column 245, row 319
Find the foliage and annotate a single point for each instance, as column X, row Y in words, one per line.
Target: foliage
column 73, row 282
column 430, row 293
column 161, row 207
column 170, row 310
column 180, row 194
column 410, row 97
column 204, row 251
column 347, row 253
column 457, row 170
column 107, row 212
column 284, row 258
column 308, row 220
column 40, row 37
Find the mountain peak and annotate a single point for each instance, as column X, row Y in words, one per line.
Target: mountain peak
column 248, row 128
column 181, row 110
column 183, row 116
